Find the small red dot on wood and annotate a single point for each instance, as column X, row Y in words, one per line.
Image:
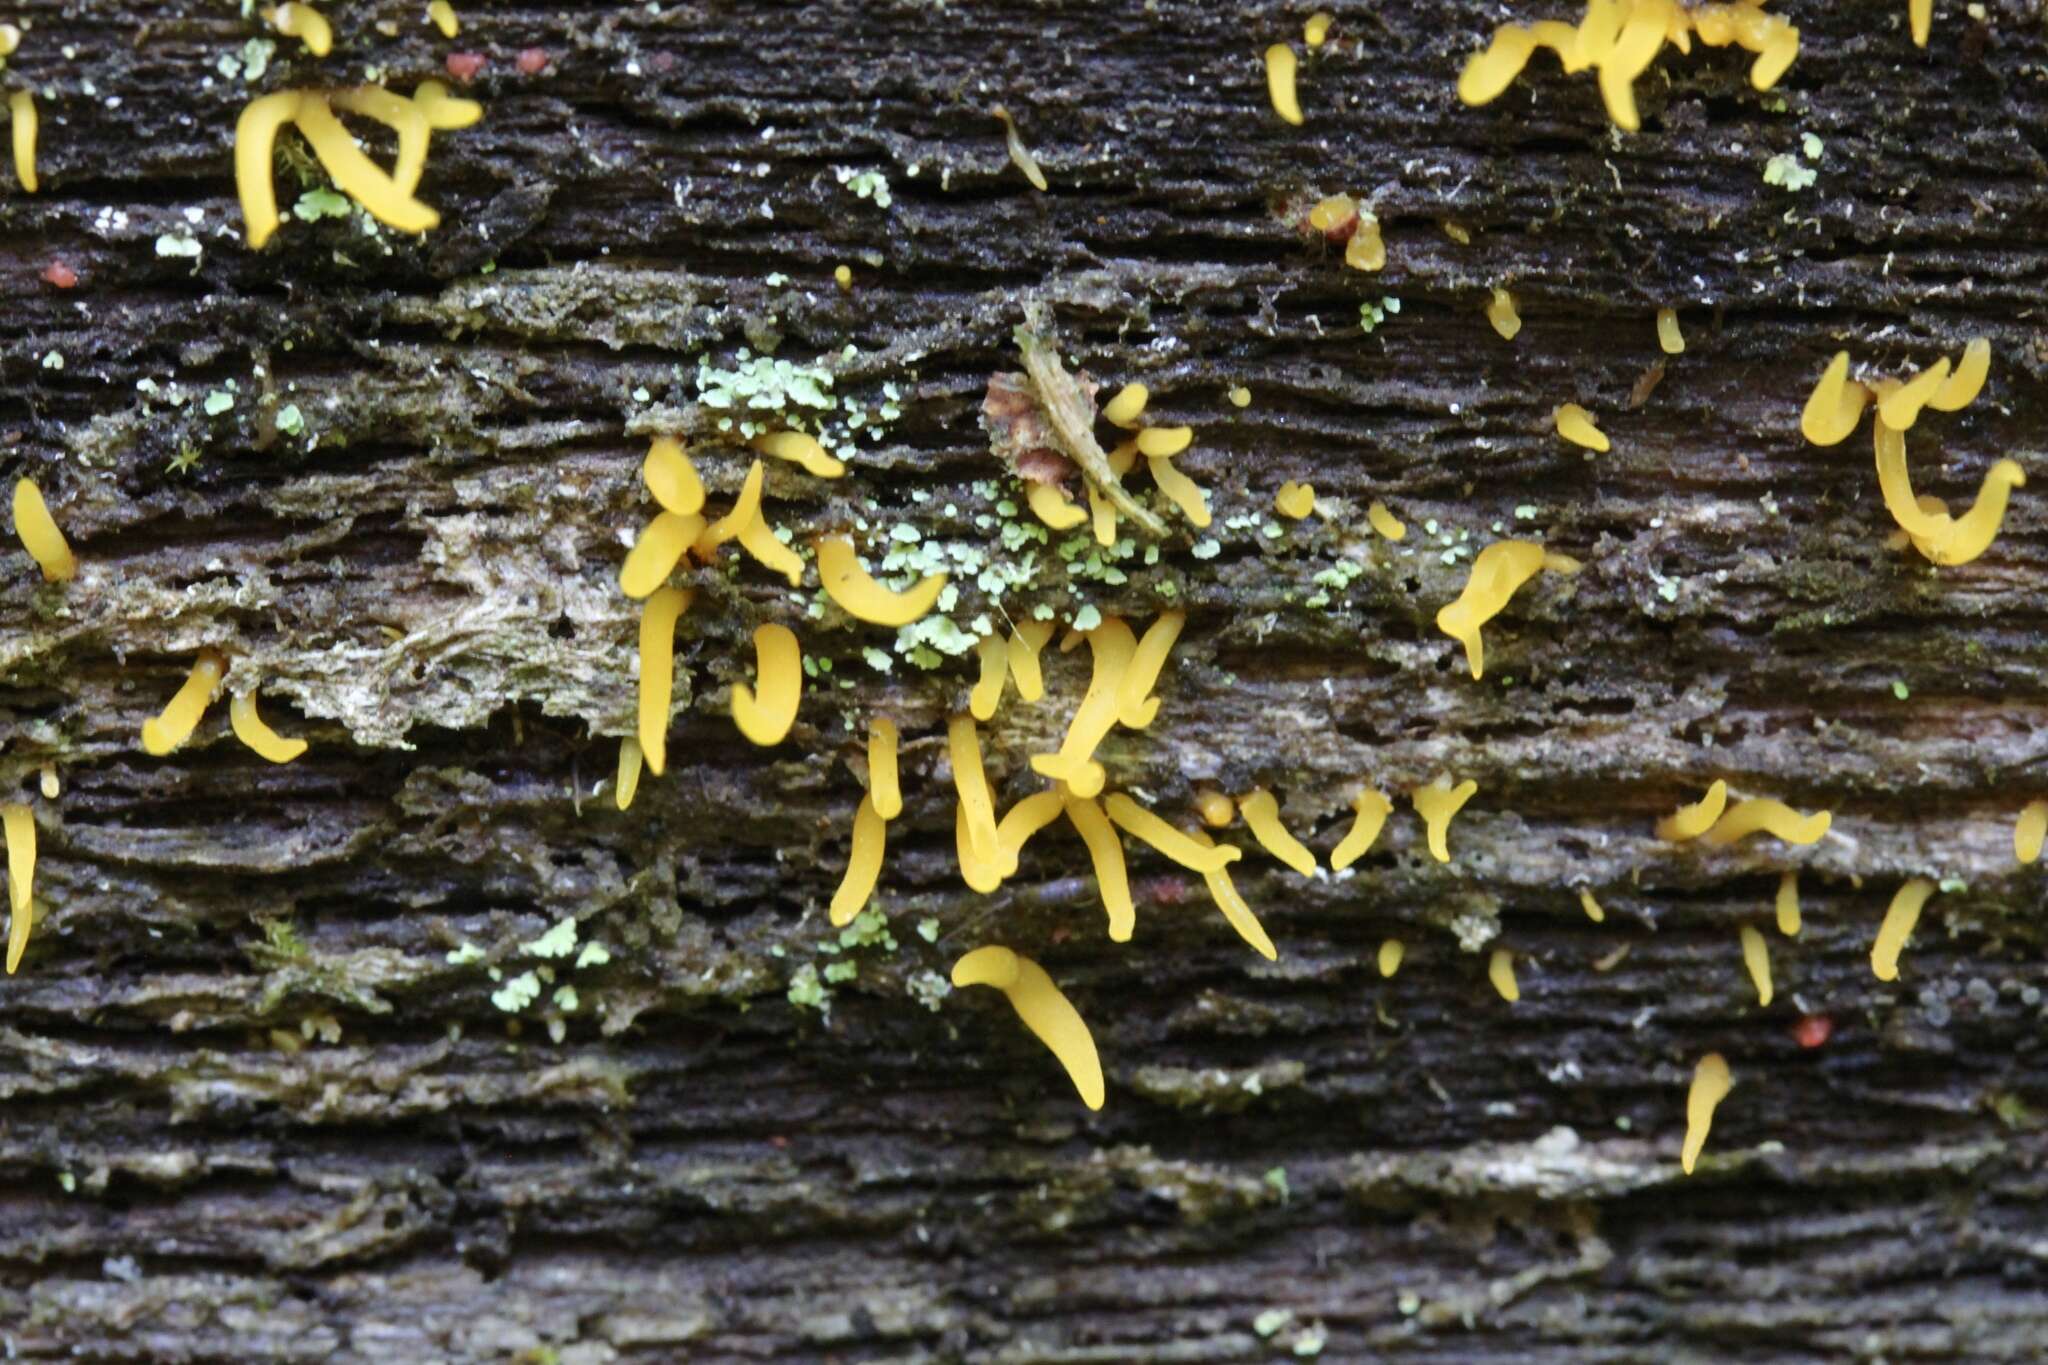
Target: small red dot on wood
column 532, row 61
column 463, row 66
column 1812, row 1030
column 60, row 274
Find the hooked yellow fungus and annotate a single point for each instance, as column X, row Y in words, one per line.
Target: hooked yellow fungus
column 1023, row 820
column 2029, row 831
column 658, row 671
column 308, row 25
column 1295, row 500
column 1262, row 813
column 1500, row 311
column 994, row 657
column 165, row 732
column 1591, row 906
column 1756, row 956
column 1500, row 970
column 1366, row 250
column 404, row 117
column 1575, row 424
column 1788, row 905
column 1966, row 537
column 1497, row 571
column 1372, row 810
column 1129, row 403
column 1183, row 491
column 1921, row 14
column 1896, row 486
column 1240, row 397
column 843, row 276
column 627, row 783
column 863, row 864
column 1053, row 507
column 1745, row 818
column 1491, row 70
column 1690, row 822
column 1164, row 442
column 1437, row 803
column 1135, row 705
column 1899, row 919
column 1025, row 641
column 354, row 174
column 849, row 585
column 1392, row 950
column 1049, row 1015
column 21, row 874
column 1385, row 522
column 671, row 478
column 657, row 552
column 442, row 15
column 1106, row 851
column 963, row 747
column 1670, row 340
column 1317, row 28
column 983, row 873
column 1020, row 155
column 1835, row 405
column 883, row 788
column 1223, row 891
column 779, row 663
column 39, row 534
column 758, row 539
column 1182, row 848
column 255, row 144
column 1216, row 809
column 1963, row 386
column 21, row 110
column 250, row 729
column 1281, row 66
column 1710, row 1085
column 1113, row 647
column 798, row 448
column 445, row 112
column 1901, row 407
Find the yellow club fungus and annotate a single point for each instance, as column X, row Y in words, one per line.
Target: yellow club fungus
column 1745, row 818
column 354, row 174
column 657, row 552
column 1899, row 919
column 746, row 509
column 1135, row 705
column 658, row 671
column 1500, row 970
column 1128, row 405
column 1489, row 72
column 1788, row 905
column 627, row 784
column 1262, row 814
column 10, row 39
column 842, row 275
column 1020, row 155
column 1756, row 956
column 442, row 15
column 1367, row 249
column 883, row 788
column 1901, row 407
column 1025, row 641
column 863, row 865
column 671, row 478
column 1591, row 906
column 994, row 657
column 2029, row 831
column 403, row 117
column 799, row 449
column 250, row 729
column 165, row 732
column 1334, row 216
column 1710, row 1085
column 1022, row 821
column 1670, row 340
column 1113, row 648
column 21, row 112
column 1921, row 15
column 1106, row 851
column 1835, row 405
column 1775, row 55
column 308, row 25
column 1634, row 47
column 1164, row 442
column 1317, row 28
column 1896, row 486
column 1240, row 397
column 1500, row 311
column 982, row 871
column 1966, row 537
column 1053, row 507
column 1070, row 414
column 758, row 539
column 1575, row 424
column 1147, row 828
column 1184, row 492
column 765, row 717
column 849, row 585
column 39, row 534
column 1437, row 803
column 1295, row 500
column 255, row 144
column 1690, row 822
column 1392, row 950
column 1497, row 571
column 963, row 747
column 1049, row 1015
column 1385, row 522
column 445, row 112
column 1216, row 809
column 1281, row 67
column 1961, row 388
column 1223, row 891
column 1372, row 809
column 20, row 826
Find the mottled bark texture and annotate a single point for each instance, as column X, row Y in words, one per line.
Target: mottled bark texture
column 257, row 1098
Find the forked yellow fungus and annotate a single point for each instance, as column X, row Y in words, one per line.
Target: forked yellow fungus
column 1497, row 571
column 445, row 112
column 1921, row 15
column 20, row 826
column 1500, row 970
column 657, row 552
column 1216, row 809
column 1372, row 809
column 403, row 117
column 1670, row 340
column 1106, row 851
column 21, row 112
column 39, row 534
column 799, row 449
column 671, row 478
column 1901, row 407
column 1385, row 522
column 765, row 717
column 1575, row 424
column 627, row 783
column 2029, row 831
column 1295, row 500
column 1392, row 950
column 308, row 25
column 1710, row 1085
column 1053, row 507
column 1190, row 497
column 1136, row 706
column 658, row 671
column 1049, row 1015
column 1164, row 442
column 746, row 509
column 1128, row 405
column 1500, row 311
column 1317, row 27
column 442, row 15
column 1900, row 917
column 1281, row 67
column 758, row 539
column 1962, row 387
column 848, row 584
column 1437, row 803
column 250, row 729
column 1788, row 905
column 255, row 144
column 1025, row 641
column 1113, row 648
column 165, row 732
column 354, row 174
column 1756, row 956
column 1262, row 814
column 1223, row 891
column 994, row 657
column 970, row 780
column 1149, row 829
column 1020, row 155
column 1835, row 405
column 863, row 865
column 1591, row 906
column 1690, row 822
column 883, row 787
column 1770, row 816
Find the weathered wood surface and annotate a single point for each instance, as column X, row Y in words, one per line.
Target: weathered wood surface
column 424, row 579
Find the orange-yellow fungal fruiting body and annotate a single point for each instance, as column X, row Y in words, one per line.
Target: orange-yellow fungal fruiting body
column 863, row 865
column 40, row 535
column 165, row 732
column 1900, row 917
column 1500, row 970
column 1372, row 809
column 1023, row 820
column 1128, row 405
column 403, row 117
column 1317, row 27
column 765, row 717
column 250, row 729
column 1385, row 522
column 442, row 15
column 1500, row 311
column 255, row 143
column 308, row 25
column 1756, row 956
column 1591, row 906
column 1497, row 571
column 1367, row 249
column 799, row 449
column 657, row 552
column 970, row 781
column 1184, row 492
column 883, row 788
column 1576, row 425
column 1020, row 155
column 1025, row 641
column 1223, row 891
column 1262, row 814
column 1489, row 72
column 658, row 671
column 1921, row 15
column 1690, row 822
column 1053, row 507
column 1216, row 809
column 2029, row 831
column 1281, row 67
column 1900, row 408
column 627, row 784
column 848, row 584
column 1107, row 853
column 354, row 174
column 1774, row 817
column 746, row 509
column 1295, row 500
column 1392, row 950
column 1113, row 647
column 1164, row 442
column 1049, row 1015
column 758, row 539
column 1185, row 849
column 842, row 275
column 20, row 828
column 671, row 478
column 994, row 657
column 1963, row 386
column 1437, row 803
column 1834, row 406
column 21, row 110
column 1670, row 340
column 445, row 112
column 1710, row 1085
column 1136, row 706
column 1240, row 397
column 982, row 870
column 1788, row 905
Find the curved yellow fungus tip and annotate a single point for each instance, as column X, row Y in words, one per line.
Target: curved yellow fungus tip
column 255, row 144
column 1895, row 484
column 1372, row 810
column 800, row 449
column 1575, row 424
column 2029, row 831
column 758, row 539
column 1113, row 647
column 1262, row 814
column 627, row 784
column 1710, row 1085
column 21, row 110
column 354, row 174
column 1295, row 500
column 1591, row 906
column 1962, row 387
column 1136, row 706
column 1023, row 820
column 658, row 671
column 1020, row 155
column 1216, row 809
column 1185, row 493
column 308, row 25
column 1240, row 397
column 1164, row 442
column 1500, row 970
column 863, row 865
column 1756, row 956
column 1107, row 853
column 404, row 117
column 1281, row 67
column 1500, row 311
column 1128, row 405
column 1776, row 58
column 656, row 553
column 671, row 478
column 1391, row 952
column 1899, row 919
column 1047, row 1013
column 849, row 585
column 1317, row 28
column 1489, row 72
column 1149, row 829
column 1053, row 507
column 165, row 732
column 1497, row 571
column 994, row 657
column 1774, row 817
column 442, row 15
column 842, row 276
column 963, row 748
column 250, row 729
column 1025, row 641
column 1670, row 340
column 39, row 534
column 1921, row 15
column 765, row 718
column 1690, row 822
column 1437, row 804
column 1970, row 535
column 746, row 509
column 21, row 875
column 1385, row 522
column 1901, row 407
column 1834, row 406
column 1223, row 891
column 445, row 112
column 1788, row 905
column 883, row 787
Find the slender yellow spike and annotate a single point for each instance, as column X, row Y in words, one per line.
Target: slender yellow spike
column 1281, row 66
column 1576, row 425
column 1776, row 57
column 1053, row 507
column 1262, row 813
column 1190, row 497
column 656, row 553
column 1690, row 822
column 1921, row 14
column 1148, row 828
column 863, row 865
column 658, row 671
column 1899, row 919
column 671, row 478
column 765, row 718
column 403, row 117
column 758, row 539
column 1135, row 705
column 1756, row 956
column 1497, row 571
column 20, row 826
column 1113, row 647
column 1788, row 905
column 1391, row 952
column 1710, row 1085
column 442, row 15
column 1901, row 407
column 1962, row 387
column 1500, row 970
column 21, row 110
column 445, row 113
column 1223, row 891
column 1049, row 1015
column 1372, row 810
column 250, row 729
column 165, row 732
column 800, row 449
column 1102, row 516
column 1317, row 28
column 746, row 509
column 994, row 657
column 255, row 146
column 848, row 584
column 963, row 746
column 883, row 788
column 1774, row 817
column 1896, row 486
column 1591, row 906
column 40, row 535
column 308, row 25
column 628, row 781
column 1107, row 853
column 1437, row 804
column 1670, row 340
column 1835, row 404
column 1025, row 641
column 1490, row 71
column 982, row 874
column 354, row 174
